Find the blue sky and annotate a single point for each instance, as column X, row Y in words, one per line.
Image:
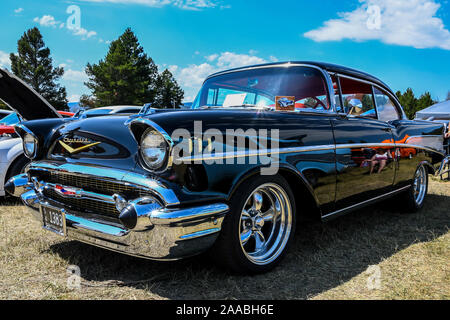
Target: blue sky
column 404, row 42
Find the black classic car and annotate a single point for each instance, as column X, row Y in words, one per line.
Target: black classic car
column 262, row 148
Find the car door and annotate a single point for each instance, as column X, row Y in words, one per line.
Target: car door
column 365, row 148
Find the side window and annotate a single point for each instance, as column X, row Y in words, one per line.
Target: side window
column 357, row 98
column 385, row 106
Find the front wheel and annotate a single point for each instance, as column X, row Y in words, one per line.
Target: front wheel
column 414, row 197
column 260, row 226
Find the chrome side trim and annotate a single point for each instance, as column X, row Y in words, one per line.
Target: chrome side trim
column 355, row 206
column 265, row 152
column 380, row 145
column 437, row 141
column 255, row 153
column 110, row 174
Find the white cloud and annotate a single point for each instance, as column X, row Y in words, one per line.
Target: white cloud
column 401, row 22
column 74, row 75
column 4, row 60
column 191, row 77
column 18, row 10
column 85, row 34
column 46, row 21
column 183, row 4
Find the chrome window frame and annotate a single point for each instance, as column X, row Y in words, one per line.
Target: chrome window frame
column 397, row 104
column 399, row 114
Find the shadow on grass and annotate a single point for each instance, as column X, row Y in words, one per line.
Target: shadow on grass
column 322, row 257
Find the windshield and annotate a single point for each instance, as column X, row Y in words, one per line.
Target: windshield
column 10, row 119
column 278, row 88
column 97, row 111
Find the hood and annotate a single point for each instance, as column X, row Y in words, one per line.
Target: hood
column 23, row 99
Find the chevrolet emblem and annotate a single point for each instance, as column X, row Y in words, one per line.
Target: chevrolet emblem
column 77, row 150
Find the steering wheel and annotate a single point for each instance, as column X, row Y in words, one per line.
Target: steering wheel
column 319, row 103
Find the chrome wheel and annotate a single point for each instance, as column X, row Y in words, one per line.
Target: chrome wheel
column 420, row 185
column 265, row 223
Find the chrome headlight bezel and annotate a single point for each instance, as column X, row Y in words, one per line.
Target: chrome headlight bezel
column 160, row 150
column 30, row 145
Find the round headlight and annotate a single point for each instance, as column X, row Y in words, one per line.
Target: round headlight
column 154, row 149
column 29, row 145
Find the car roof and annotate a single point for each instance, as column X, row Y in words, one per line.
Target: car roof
column 331, row 68
column 117, row 108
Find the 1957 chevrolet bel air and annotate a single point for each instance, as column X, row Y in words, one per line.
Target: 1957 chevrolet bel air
column 262, row 148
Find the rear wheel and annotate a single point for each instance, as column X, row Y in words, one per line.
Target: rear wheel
column 260, row 226
column 414, row 197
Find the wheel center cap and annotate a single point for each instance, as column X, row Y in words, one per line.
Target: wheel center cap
column 259, row 222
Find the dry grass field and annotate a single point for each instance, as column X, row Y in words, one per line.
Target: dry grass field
column 327, row 261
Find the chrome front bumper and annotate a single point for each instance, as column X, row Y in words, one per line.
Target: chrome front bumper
column 159, row 231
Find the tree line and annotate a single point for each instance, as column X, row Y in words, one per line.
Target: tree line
column 125, row 76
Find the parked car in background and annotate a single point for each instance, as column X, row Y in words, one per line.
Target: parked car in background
column 106, row 111
column 173, row 184
column 4, row 113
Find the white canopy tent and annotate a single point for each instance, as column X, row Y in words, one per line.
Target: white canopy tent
column 439, row 111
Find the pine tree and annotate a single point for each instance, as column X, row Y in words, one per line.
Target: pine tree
column 448, row 96
column 3, row 106
column 125, row 76
column 168, row 92
column 34, row 65
column 424, row 102
column 408, row 102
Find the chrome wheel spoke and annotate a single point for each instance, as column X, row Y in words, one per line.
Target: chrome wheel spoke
column 245, row 236
column 268, row 215
column 245, row 215
column 257, row 201
column 260, row 240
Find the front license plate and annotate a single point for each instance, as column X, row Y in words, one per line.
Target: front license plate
column 54, row 220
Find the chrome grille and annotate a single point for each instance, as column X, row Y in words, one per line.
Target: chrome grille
column 83, row 205
column 91, row 184
column 96, row 184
